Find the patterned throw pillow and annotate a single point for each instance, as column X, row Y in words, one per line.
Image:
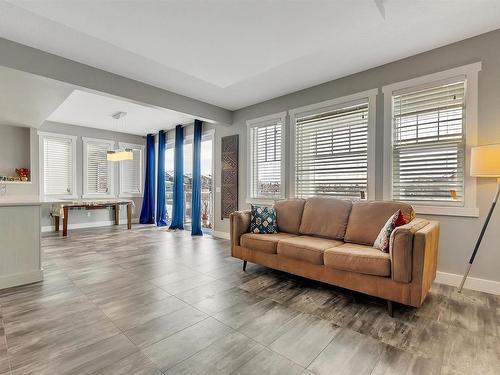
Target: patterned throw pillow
column 263, row 220
column 382, row 241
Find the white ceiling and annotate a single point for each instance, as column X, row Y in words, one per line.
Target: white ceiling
column 236, row 53
column 94, row 110
column 27, row 99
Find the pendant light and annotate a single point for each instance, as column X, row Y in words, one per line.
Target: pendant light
column 120, row 154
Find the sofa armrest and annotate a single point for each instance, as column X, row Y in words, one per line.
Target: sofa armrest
column 401, row 249
column 239, row 223
column 425, row 252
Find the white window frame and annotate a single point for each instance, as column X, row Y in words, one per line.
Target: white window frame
column 142, row 149
column 111, row 190
column 258, row 122
column 470, row 74
column 330, row 105
column 41, row 161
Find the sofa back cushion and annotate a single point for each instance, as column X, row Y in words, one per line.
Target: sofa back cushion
column 289, row 214
column 368, row 217
column 325, row 217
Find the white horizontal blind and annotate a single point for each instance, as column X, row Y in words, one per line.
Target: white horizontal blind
column 98, row 169
column 429, row 144
column 131, row 173
column 266, row 160
column 57, row 166
column 332, row 153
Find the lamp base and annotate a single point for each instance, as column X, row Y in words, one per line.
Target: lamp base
column 464, row 278
column 483, row 230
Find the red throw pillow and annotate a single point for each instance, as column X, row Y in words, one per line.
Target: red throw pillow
column 400, row 220
column 383, row 239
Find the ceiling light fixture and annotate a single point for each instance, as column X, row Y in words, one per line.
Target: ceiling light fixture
column 120, row 155
column 118, row 115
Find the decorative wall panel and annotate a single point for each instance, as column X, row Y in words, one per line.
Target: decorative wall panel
column 229, row 177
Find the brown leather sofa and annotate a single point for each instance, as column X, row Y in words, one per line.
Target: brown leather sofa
column 330, row 240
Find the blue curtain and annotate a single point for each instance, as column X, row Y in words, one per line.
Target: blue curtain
column 148, row 202
column 161, row 209
column 196, row 195
column 178, row 204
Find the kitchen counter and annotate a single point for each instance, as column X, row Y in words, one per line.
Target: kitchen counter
column 27, row 200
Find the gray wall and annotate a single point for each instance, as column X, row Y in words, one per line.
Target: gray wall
column 458, row 234
column 14, row 149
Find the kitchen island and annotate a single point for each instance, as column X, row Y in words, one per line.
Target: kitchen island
column 20, row 249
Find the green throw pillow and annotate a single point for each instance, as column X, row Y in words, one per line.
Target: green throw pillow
column 263, row 220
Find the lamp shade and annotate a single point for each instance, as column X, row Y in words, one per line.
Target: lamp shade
column 120, row 155
column 485, row 161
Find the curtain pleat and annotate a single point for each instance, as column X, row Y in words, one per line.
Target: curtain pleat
column 196, row 194
column 161, row 210
column 148, row 202
column 178, row 194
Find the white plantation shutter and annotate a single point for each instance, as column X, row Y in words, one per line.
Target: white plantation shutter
column 429, row 144
column 98, row 175
column 57, row 165
column 131, row 173
column 265, row 160
column 331, row 151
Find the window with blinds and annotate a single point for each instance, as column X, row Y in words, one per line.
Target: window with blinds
column 266, row 160
column 58, row 159
column 331, row 152
column 131, row 173
column 98, row 173
column 428, row 159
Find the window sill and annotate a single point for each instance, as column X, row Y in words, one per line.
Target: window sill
column 447, row 211
column 262, row 201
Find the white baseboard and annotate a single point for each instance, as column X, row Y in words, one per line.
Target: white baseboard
column 90, row 224
column 473, row 283
column 17, row 279
column 218, row 234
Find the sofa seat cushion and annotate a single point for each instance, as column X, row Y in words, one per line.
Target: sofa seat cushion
column 306, row 248
column 359, row 259
column 266, row 243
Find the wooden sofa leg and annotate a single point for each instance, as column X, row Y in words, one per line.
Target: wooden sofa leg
column 244, row 265
column 389, row 309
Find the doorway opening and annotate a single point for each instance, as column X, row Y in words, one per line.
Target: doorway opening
column 207, row 181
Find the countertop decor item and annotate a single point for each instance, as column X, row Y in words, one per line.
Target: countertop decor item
column 484, row 162
column 23, row 173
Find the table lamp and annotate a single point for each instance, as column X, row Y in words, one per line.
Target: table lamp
column 484, row 162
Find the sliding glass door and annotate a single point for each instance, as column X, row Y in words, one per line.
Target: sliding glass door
column 169, row 180
column 206, row 181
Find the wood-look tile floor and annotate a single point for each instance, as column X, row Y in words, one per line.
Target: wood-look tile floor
column 150, row 301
